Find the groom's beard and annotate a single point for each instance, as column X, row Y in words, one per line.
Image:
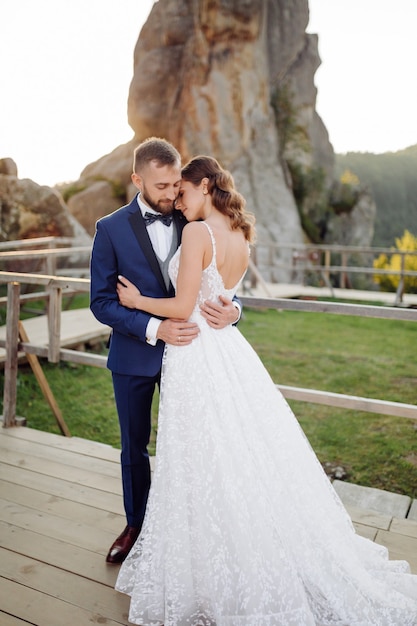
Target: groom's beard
column 162, row 205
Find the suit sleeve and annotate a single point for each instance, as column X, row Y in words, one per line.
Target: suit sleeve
column 238, row 306
column 103, row 296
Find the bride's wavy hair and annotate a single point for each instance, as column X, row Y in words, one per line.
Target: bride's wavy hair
column 223, row 193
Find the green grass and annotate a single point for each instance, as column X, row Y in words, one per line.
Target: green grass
column 351, row 355
column 354, row 356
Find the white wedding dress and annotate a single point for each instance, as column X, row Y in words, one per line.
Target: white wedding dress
column 243, row 527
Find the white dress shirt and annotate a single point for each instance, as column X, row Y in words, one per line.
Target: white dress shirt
column 160, row 234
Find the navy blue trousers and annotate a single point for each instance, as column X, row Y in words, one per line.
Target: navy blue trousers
column 133, row 395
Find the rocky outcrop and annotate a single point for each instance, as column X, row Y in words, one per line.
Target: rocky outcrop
column 354, row 227
column 233, row 79
column 30, row 210
column 8, row 166
column 96, row 200
column 115, row 167
column 205, row 75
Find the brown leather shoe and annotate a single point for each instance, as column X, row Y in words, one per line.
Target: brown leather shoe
column 123, row 544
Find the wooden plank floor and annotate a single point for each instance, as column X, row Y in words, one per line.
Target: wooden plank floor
column 61, row 508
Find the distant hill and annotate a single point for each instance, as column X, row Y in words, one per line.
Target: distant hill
column 392, row 179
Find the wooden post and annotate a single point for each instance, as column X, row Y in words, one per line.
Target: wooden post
column 50, row 260
column 343, row 274
column 54, row 323
column 254, row 279
column 43, row 383
column 258, row 276
column 327, row 265
column 10, row 366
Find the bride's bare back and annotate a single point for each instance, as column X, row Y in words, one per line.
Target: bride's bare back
column 232, row 254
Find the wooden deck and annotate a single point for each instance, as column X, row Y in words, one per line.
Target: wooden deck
column 78, row 327
column 296, row 290
column 61, row 508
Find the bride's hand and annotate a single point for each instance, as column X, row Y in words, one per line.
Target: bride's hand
column 128, row 293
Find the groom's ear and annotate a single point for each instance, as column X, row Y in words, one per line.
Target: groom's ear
column 137, row 181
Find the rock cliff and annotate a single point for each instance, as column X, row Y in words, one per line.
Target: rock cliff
column 233, row 79
column 206, row 73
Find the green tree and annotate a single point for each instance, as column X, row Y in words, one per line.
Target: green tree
column 391, row 178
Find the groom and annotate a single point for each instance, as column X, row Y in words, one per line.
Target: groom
column 138, row 241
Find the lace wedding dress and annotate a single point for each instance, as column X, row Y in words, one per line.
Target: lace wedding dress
column 243, row 527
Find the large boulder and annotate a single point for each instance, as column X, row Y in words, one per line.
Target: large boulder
column 96, row 200
column 29, row 210
column 205, row 77
column 356, row 226
column 116, row 167
column 8, row 166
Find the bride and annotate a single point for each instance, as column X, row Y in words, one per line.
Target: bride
column 242, row 527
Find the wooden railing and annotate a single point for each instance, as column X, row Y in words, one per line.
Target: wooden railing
column 46, row 251
column 314, row 258
column 370, row 405
column 56, row 286
column 305, row 259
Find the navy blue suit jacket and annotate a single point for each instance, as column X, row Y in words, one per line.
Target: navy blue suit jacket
column 122, row 246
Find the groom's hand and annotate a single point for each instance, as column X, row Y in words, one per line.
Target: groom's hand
column 177, row 332
column 220, row 315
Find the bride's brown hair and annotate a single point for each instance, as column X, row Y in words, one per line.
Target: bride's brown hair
column 223, row 193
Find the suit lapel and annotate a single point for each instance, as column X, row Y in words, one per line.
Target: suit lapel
column 139, row 228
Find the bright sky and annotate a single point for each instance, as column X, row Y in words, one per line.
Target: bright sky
column 67, row 66
column 367, row 87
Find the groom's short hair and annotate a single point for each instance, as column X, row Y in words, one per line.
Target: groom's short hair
column 155, row 149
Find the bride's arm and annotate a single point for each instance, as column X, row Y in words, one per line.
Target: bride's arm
column 193, row 248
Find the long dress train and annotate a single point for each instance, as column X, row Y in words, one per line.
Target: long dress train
column 243, row 527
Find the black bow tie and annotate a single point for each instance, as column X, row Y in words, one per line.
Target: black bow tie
column 150, row 218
